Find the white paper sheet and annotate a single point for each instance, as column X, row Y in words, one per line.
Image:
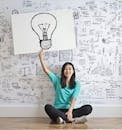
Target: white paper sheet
column 27, row 40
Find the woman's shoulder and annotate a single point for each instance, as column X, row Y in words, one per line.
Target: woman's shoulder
column 52, row 74
column 77, row 83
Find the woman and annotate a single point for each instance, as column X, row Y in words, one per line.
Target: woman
column 66, row 93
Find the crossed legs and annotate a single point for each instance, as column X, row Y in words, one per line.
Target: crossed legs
column 53, row 113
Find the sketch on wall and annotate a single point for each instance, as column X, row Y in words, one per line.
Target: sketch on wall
column 54, row 31
column 97, row 58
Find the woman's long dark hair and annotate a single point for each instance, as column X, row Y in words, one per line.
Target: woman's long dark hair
column 63, row 78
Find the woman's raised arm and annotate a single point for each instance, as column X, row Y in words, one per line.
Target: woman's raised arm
column 44, row 67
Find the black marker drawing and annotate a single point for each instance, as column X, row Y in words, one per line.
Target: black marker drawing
column 44, row 25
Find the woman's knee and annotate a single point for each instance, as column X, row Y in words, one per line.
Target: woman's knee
column 47, row 107
column 89, row 109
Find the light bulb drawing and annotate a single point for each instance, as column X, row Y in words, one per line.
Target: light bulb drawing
column 44, row 25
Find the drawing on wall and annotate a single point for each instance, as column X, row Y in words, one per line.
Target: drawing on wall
column 97, row 59
column 52, row 30
column 44, row 24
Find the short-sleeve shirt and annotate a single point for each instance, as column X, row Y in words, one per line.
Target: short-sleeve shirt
column 63, row 96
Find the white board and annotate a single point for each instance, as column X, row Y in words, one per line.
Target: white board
column 27, row 35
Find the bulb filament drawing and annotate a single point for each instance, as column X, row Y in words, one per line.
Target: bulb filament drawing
column 44, row 25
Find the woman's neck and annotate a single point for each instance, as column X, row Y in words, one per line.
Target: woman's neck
column 67, row 81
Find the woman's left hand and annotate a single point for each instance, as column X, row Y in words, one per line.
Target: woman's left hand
column 69, row 116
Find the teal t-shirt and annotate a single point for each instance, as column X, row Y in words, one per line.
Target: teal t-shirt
column 63, row 96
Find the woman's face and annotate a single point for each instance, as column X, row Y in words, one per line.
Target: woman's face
column 68, row 71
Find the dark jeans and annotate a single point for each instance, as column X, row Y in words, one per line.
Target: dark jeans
column 53, row 113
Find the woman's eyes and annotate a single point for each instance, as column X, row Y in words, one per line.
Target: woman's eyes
column 68, row 69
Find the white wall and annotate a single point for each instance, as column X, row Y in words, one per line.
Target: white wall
column 97, row 59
